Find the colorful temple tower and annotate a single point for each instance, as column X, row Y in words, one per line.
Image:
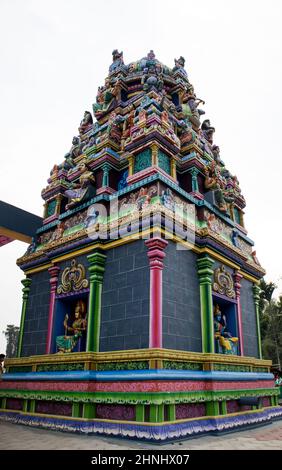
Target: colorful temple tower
column 140, row 301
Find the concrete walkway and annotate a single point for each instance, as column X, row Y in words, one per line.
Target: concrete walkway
column 20, row 437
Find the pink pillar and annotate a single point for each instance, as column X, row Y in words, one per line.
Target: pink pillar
column 237, row 284
column 156, row 255
column 54, row 271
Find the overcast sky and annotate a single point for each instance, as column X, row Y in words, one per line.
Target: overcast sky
column 55, row 54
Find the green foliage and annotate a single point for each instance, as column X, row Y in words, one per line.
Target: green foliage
column 271, row 323
column 11, row 334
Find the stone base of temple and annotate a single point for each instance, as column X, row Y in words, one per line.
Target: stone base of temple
column 150, row 394
column 157, row 432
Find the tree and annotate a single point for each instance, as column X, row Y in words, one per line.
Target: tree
column 11, row 334
column 270, row 312
column 272, row 343
column 266, row 291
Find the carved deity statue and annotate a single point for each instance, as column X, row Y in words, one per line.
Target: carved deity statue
column 68, row 342
column 179, row 65
column 226, row 341
column 105, row 96
column 117, row 60
column 81, row 190
column 86, row 122
column 207, row 131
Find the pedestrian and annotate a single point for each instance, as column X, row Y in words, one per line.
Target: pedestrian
column 2, row 367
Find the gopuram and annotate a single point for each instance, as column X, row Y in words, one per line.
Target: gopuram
column 140, row 297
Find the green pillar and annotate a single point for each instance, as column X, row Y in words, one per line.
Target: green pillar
column 106, row 169
column 212, row 408
column 32, row 406
column 153, row 413
column 96, row 268
column 140, row 413
column 224, row 408
column 205, row 274
column 89, row 410
column 171, row 412
column 3, row 404
column 25, row 405
column 195, row 186
column 75, row 410
column 161, row 413
column 256, row 292
column 26, row 283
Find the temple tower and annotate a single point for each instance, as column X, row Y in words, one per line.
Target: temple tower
column 140, row 295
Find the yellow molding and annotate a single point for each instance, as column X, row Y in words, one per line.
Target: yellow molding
column 38, row 269
column 15, row 235
column 139, row 355
column 140, row 236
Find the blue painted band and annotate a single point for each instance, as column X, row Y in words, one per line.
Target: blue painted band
column 137, row 375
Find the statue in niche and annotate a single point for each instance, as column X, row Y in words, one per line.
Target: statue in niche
column 86, row 123
column 226, row 341
column 68, row 342
column 82, row 190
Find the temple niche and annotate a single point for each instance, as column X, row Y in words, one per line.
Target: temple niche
column 140, row 295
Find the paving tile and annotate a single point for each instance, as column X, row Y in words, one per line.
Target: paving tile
column 24, row 438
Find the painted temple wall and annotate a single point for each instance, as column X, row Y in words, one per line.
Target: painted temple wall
column 125, row 298
column 181, row 300
column 36, row 320
column 249, row 323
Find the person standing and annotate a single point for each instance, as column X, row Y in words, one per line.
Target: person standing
column 2, row 368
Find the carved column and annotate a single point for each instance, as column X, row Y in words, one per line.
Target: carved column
column 256, row 293
column 194, row 173
column 156, row 247
column 237, row 286
column 106, row 170
column 154, row 155
column 54, row 273
column 205, row 274
column 96, row 269
column 130, row 165
column 173, row 168
column 26, row 288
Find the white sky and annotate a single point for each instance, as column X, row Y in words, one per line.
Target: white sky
column 55, row 54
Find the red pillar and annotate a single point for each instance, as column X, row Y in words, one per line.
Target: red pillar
column 156, row 255
column 54, row 271
column 237, row 285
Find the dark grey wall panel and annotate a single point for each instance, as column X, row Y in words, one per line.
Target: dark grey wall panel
column 181, row 300
column 125, row 298
column 36, row 320
column 249, row 322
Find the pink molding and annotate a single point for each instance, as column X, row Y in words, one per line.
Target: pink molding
column 105, row 190
column 54, row 271
column 237, row 285
column 156, row 247
column 152, row 170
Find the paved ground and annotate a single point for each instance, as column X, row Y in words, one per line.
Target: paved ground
column 22, row 437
